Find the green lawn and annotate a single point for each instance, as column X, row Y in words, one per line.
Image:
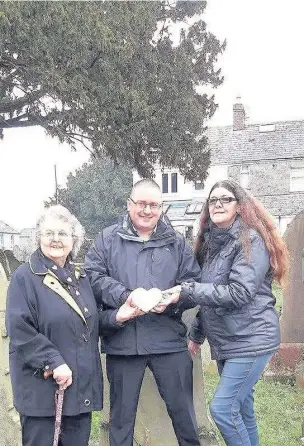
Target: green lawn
column 277, row 291
column 279, row 410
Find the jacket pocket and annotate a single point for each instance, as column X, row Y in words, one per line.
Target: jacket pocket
column 237, row 322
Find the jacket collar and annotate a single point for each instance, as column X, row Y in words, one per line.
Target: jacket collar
column 213, row 232
column 216, row 238
column 38, row 267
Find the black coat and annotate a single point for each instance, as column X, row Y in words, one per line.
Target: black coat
column 118, row 262
column 46, row 329
column 237, row 312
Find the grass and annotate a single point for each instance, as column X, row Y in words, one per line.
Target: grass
column 279, row 409
column 277, row 291
column 95, row 429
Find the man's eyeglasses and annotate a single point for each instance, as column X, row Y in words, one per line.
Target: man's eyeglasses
column 51, row 235
column 222, row 200
column 143, row 205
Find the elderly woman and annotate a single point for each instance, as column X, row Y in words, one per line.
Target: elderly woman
column 53, row 325
column 240, row 253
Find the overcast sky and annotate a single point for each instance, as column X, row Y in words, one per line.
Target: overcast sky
column 263, row 64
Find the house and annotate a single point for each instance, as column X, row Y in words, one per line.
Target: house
column 20, row 243
column 9, row 237
column 266, row 159
column 27, row 242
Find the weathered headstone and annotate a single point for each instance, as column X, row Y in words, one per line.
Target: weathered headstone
column 10, row 434
column 289, row 360
column 153, row 425
column 8, row 262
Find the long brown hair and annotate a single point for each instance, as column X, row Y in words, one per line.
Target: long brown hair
column 252, row 215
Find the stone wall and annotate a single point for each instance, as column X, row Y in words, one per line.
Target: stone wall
column 270, row 182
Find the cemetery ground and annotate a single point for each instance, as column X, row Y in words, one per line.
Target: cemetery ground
column 279, row 410
column 279, row 407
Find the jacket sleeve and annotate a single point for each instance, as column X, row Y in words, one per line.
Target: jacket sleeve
column 244, row 281
column 107, row 322
column 36, row 349
column 188, row 272
column 196, row 332
column 107, row 291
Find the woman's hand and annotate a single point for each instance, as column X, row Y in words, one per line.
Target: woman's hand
column 193, row 347
column 170, row 296
column 63, row 375
column 127, row 312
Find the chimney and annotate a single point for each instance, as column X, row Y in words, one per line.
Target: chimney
column 238, row 115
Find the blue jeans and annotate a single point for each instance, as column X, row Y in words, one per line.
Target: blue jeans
column 232, row 403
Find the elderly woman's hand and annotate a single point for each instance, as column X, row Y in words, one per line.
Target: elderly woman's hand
column 193, row 347
column 63, row 375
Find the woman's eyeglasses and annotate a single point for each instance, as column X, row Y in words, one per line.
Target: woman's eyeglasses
column 51, row 235
column 222, row 200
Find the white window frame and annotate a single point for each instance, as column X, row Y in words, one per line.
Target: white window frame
column 170, row 176
column 296, row 173
column 245, row 176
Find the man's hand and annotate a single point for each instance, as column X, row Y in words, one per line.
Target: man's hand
column 127, row 311
column 170, row 296
column 193, row 347
column 63, row 375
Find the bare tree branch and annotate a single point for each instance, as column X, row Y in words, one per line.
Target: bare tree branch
column 7, row 106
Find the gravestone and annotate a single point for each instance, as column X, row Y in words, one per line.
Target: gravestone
column 289, row 360
column 153, row 426
column 8, row 262
column 10, row 434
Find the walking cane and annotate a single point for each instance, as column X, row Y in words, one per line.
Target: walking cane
column 59, row 396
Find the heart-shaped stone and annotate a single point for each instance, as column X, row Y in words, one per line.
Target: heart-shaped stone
column 146, row 299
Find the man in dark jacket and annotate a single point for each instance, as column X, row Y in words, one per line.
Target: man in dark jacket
column 143, row 250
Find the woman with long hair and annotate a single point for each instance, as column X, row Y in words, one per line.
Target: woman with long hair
column 240, row 253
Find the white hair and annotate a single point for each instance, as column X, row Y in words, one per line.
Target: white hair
column 61, row 213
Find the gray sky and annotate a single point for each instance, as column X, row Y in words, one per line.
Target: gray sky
column 262, row 63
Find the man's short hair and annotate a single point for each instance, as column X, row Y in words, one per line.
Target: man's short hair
column 146, row 182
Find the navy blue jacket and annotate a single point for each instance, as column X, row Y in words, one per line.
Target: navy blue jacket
column 237, row 313
column 118, row 262
column 46, row 331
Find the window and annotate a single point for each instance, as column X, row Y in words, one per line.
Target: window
column 173, row 183
column 267, row 128
column 165, row 187
column 194, row 208
column 198, row 185
column 12, row 241
column 1, row 241
column 244, row 177
column 297, row 179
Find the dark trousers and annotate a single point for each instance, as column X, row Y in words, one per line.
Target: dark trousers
column 39, row 431
column 173, row 376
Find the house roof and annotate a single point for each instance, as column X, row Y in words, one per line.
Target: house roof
column 257, row 142
column 5, row 228
column 27, row 232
